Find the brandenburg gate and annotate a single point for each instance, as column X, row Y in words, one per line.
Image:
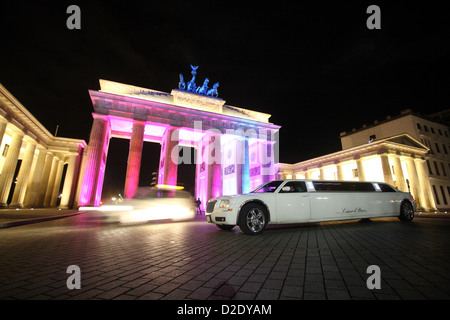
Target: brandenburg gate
column 236, row 148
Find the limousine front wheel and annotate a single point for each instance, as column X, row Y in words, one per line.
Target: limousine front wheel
column 406, row 211
column 253, row 219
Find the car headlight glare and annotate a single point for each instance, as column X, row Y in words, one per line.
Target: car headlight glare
column 224, row 204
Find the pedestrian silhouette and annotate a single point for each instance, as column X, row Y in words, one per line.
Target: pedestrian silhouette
column 198, row 202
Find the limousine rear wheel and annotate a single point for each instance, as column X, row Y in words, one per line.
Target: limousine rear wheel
column 253, row 219
column 406, row 211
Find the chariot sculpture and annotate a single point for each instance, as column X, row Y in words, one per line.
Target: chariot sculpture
column 192, row 86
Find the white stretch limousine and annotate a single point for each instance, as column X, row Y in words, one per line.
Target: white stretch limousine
column 296, row 201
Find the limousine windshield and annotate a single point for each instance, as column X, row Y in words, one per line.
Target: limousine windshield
column 268, row 187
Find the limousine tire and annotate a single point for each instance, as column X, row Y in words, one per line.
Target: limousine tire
column 252, row 219
column 406, row 211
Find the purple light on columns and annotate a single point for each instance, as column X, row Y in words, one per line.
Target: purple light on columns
column 215, row 167
column 168, row 164
column 134, row 159
column 95, row 162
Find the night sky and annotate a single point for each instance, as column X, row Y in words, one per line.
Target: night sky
column 316, row 68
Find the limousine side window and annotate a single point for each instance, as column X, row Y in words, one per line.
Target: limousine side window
column 343, row 186
column 294, row 186
column 386, row 188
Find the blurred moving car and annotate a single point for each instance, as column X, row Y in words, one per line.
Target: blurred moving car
column 151, row 204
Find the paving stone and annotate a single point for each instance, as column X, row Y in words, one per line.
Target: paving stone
column 195, row 260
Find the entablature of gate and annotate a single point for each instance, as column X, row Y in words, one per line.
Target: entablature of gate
column 123, row 108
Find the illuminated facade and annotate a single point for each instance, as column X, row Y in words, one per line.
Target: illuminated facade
column 409, row 151
column 37, row 169
column 236, row 148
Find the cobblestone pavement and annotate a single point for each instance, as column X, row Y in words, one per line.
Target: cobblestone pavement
column 196, row 260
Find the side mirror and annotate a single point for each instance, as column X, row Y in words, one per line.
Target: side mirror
column 286, row 189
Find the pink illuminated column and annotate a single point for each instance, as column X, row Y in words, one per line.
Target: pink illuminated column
column 215, row 167
column 94, row 167
column 168, row 163
column 266, row 145
column 134, row 159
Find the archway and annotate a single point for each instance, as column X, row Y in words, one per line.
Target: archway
column 236, row 148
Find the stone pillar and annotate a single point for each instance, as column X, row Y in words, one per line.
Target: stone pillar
column 51, row 182
column 414, row 181
column 33, row 183
column 3, row 124
column 55, row 194
column 9, row 168
column 240, row 161
column 42, row 189
column 339, row 171
column 424, row 185
column 168, row 164
column 134, row 159
column 386, row 169
column 245, row 167
column 307, row 174
column 360, row 168
column 69, row 181
column 23, row 176
column 215, row 166
column 322, row 173
column 94, row 167
column 266, row 155
column 399, row 177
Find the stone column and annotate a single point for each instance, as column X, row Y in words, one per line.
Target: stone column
column 322, row 173
column 307, row 174
column 240, row 161
column 42, row 189
column 3, row 124
column 386, row 169
column 245, row 167
column 9, row 168
column 215, row 166
column 33, row 183
column 55, row 194
column 23, row 176
column 340, row 171
column 266, row 155
column 360, row 168
column 424, row 185
column 51, row 182
column 414, row 181
column 168, row 165
column 399, row 177
column 69, row 182
column 134, row 159
column 93, row 174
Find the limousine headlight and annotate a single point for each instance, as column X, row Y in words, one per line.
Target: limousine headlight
column 224, row 204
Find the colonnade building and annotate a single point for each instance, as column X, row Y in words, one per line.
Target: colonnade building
column 409, row 151
column 37, row 169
